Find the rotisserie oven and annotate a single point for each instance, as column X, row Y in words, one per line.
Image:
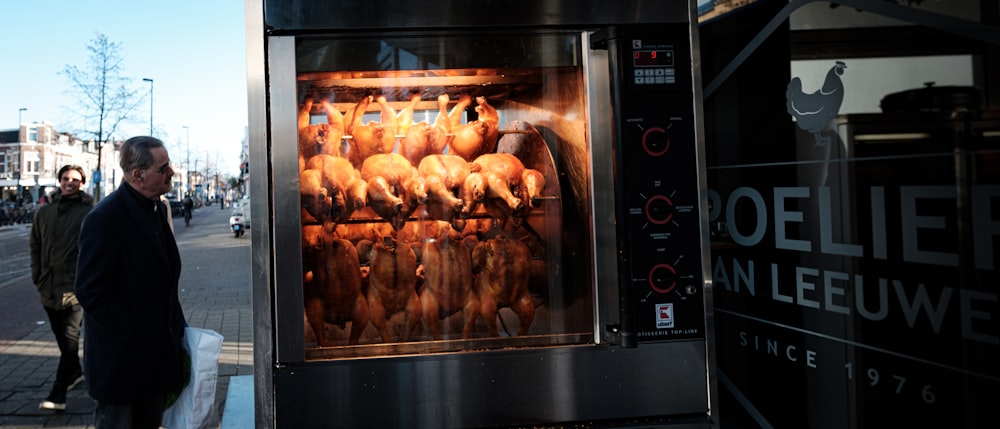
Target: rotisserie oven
column 480, row 223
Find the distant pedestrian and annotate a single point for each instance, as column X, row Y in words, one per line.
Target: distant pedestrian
column 55, row 231
column 126, row 281
column 188, row 205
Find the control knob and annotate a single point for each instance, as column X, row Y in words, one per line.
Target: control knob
column 656, row 141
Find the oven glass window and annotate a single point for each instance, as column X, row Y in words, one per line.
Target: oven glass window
column 444, row 182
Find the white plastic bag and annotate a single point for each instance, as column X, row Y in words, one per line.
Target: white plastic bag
column 195, row 406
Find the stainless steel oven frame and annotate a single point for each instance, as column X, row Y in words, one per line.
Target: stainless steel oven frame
column 611, row 381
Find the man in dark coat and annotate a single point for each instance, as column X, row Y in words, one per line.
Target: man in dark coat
column 126, row 281
column 53, row 243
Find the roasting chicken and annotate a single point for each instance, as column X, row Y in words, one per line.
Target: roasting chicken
column 477, row 137
column 473, row 192
column 447, row 271
column 511, row 189
column 441, row 204
column 497, row 186
column 373, row 137
column 332, row 286
column 363, row 231
column 341, row 182
column 382, row 199
column 420, row 139
column 527, row 144
column 510, row 206
column 444, row 176
column 503, row 173
column 392, row 281
column 467, row 140
column 416, row 143
column 453, row 170
column 320, row 138
column 508, row 167
column 503, row 275
column 395, row 189
column 316, row 201
column 532, row 187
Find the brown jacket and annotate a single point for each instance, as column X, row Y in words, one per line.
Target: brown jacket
column 55, row 231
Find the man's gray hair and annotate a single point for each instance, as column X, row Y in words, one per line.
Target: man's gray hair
column 136, row 152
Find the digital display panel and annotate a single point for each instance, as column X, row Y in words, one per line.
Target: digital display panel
column 653, row 58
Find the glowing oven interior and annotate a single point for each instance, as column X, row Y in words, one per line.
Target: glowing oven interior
column 445, row 191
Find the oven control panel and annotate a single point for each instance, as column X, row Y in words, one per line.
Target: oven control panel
column 658, row 204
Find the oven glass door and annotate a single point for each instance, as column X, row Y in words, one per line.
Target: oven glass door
column 444, row 182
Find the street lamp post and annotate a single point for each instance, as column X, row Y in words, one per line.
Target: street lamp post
column 17, row 169
column 146, row 79
column 187, row 160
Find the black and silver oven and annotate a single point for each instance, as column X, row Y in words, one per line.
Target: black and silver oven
column 478, row 214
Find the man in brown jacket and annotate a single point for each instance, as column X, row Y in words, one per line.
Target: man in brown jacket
column 55, row 231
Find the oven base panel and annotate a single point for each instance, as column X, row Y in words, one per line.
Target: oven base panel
column 584, row 385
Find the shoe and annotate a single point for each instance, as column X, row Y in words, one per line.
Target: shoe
column 76, row 380
column 56, row 401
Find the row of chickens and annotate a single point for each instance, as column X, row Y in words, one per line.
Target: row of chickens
column 395, row 182
column 442, row 186
column 415, row 139
column 426, row 280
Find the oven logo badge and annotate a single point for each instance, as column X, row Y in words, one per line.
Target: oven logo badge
column 665, row 315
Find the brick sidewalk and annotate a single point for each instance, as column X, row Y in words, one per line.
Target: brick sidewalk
column 215, row 294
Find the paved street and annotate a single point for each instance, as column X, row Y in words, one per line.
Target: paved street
column 215, row 294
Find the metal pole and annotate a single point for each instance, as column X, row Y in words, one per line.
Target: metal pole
column 187, row 161
column 146, row 79
column 17, row 170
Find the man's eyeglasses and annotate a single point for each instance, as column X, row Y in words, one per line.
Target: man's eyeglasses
column 163, row 168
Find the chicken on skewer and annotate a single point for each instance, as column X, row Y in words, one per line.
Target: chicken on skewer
column 502, row 172
column 447, row 272
column 444, row 175
column 332, row 286
column 395, row 189
column 420, row 139
column 478, row 137
column 503, row 271
column 392, row 285
column 374, row 137
column 319, row 138
column 340, row 180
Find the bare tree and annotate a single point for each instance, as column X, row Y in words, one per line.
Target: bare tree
column 106, row 98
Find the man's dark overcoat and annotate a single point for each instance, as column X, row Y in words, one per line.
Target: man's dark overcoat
column 126, row 281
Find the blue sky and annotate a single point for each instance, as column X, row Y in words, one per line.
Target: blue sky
column 194, row 50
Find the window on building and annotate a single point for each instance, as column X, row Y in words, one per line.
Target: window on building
column 32, row 162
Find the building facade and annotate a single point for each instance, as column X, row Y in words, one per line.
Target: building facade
column 31, row 155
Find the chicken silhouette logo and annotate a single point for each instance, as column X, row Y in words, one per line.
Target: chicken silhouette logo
column 815, row 112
